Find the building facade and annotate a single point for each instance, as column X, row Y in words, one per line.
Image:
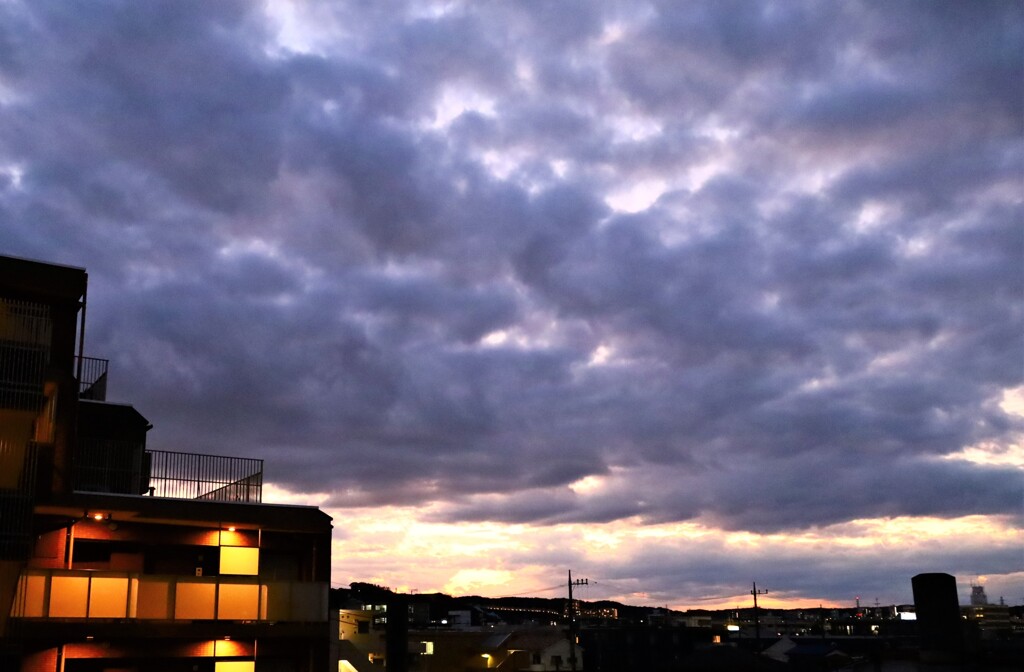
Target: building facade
column 114, row 557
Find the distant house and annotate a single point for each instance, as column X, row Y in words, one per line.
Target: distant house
column 991, row 620
column 554, row 656
column 535, row 649
column 653, row 648
column 362, row 647
column 360, row 637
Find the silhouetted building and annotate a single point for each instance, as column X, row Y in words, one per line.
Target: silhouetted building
column 113, row 556
column 640, row 647
column 992, row 621
column 939, row 625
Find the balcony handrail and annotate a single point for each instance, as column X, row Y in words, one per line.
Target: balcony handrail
column 93, row 381
column 128, row 469
column 269, row 601
column 223, row 478
column 213, row 455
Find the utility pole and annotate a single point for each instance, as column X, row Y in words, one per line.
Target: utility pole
column 757, row 621
column 572, row 621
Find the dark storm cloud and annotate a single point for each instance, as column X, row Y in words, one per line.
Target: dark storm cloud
column 321, row 258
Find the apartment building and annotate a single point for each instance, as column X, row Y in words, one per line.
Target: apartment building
column 117, row 558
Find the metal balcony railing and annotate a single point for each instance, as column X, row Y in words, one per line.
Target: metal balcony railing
column 93, row 382
column 126, row 468
column 107, row 465
column 18, row 463
column 211, row 477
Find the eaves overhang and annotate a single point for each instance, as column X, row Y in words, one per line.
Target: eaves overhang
column 199, row 513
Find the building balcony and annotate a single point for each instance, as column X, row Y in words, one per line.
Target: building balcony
column 211, row 477
column 126, row 468
column 81, row 595
column 92, row 377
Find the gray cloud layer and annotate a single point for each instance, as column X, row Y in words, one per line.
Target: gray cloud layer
column 292, row 256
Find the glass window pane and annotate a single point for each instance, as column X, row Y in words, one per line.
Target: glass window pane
column 30, row 602
column 108, row 597
column 154, row 598
column 194, row 600
column 237, row 560
column 68, row 596
column 309, row 602
column 238, row 602
column 277, row 601
column 235, row 666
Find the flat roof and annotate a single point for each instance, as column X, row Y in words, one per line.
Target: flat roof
column 41, row 281
column 40, row 261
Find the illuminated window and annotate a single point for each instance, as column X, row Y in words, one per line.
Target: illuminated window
column 428, row 648
column 239, row 560
column 234, row 666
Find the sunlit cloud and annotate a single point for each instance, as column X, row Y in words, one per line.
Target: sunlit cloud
column 636, row 197
column 455, row 101
column 493, row 559
column 1012, row 401
column 992, row 454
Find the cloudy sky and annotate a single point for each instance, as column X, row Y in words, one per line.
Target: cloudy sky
column 677, row 295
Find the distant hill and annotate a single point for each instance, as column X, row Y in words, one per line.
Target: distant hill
column 508, row 609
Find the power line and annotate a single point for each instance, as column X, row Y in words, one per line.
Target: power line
column 531, row 592
column 620, row 584
column 709, row 599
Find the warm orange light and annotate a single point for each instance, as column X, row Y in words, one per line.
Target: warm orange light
column 97, row 516
column 231, row 529
column 239, row 560
column 228, row 648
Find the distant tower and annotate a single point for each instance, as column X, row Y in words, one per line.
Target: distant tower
column 978, row 596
